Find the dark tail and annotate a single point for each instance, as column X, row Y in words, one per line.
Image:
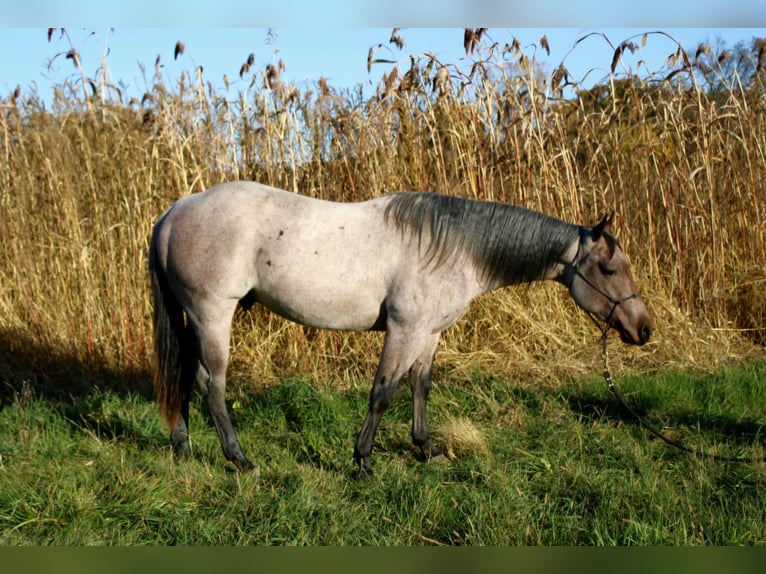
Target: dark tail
column 173, row 352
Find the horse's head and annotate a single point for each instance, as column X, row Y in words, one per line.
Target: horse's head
column 601, row 283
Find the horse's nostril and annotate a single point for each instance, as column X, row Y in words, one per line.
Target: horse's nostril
column 645, row 333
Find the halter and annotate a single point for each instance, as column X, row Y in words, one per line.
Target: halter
column 575, row 266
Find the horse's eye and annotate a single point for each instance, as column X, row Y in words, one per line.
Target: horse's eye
column 607, row 271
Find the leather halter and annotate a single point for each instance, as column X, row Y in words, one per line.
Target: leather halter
column 575, row 266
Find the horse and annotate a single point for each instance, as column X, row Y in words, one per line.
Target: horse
column 407, row 263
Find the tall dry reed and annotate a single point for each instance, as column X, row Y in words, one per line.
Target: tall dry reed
column 679, row 155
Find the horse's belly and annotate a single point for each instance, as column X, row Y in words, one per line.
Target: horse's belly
column 326, row 309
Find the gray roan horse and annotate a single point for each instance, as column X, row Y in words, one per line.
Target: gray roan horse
column 405, row 263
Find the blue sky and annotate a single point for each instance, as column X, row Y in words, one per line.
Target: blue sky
column 331, row 38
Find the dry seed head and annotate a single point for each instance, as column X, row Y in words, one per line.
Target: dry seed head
column 702, row 49
column 323, row 87
column 244, row 69
column 74, row 56
column 617, row 55
column 251, row 59
column 148, row 118
column 179, row 49
column 471, row 39
column 545, row 45
column 468, row 41
column 389, row 83
column 560, row 75
column 396, row 39
column 626, row 45
column 272, row 81
column 412, row 78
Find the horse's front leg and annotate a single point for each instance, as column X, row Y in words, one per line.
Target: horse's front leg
column 382, row 393
column 420, row 383
column 400, row 351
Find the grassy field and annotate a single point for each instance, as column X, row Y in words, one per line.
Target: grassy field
column 529, row 464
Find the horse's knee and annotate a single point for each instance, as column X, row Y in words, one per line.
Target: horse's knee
column 381, row 396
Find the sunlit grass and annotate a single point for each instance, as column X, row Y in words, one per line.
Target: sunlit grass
column 579, row 470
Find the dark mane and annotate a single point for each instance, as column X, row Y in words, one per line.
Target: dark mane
column 509, row 244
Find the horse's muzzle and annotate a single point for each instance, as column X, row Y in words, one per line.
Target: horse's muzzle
column 641, row 337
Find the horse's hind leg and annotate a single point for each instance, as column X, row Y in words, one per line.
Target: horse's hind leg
column 420, row 382
column 179, row 436
column 213, row 338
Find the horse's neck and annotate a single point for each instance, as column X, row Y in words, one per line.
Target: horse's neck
column 525, row 256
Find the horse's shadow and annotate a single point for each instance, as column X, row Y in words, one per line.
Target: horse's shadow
column 77, row 389
column 593, row 407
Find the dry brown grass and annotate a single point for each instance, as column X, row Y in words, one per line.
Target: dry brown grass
column 683, row 166
column 461, row 437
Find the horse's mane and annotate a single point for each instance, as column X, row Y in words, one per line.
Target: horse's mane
column 509, row 244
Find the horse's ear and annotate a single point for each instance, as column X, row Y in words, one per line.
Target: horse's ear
column 604, row 225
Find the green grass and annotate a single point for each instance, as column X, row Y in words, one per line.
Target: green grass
column 563, row 465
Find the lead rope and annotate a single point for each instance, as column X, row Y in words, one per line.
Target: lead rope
column 610, row 381
column 616, row 392
column 645, row 423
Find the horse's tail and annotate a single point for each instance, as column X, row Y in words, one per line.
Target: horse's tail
column 172, row 350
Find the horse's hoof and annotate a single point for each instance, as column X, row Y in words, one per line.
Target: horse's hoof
column 432, row 454
column 364, row 467
column 182, row 452
column 180, row 444
column 244, row 465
